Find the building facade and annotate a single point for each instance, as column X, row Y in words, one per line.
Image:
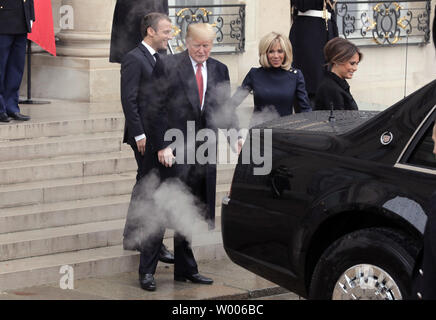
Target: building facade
column 401, row 61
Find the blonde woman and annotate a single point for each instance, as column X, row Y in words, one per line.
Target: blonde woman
column 275, row 85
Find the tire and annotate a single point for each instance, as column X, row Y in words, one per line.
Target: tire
column 378, row 262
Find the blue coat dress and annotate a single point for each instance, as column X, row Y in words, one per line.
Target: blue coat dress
column 274, row 89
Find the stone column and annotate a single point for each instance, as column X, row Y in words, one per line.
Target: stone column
column 81, row 71
column 91, row 34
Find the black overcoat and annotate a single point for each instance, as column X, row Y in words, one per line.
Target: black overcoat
column 334, row 91
column 175, row 102
column 126, row 24
column 15, row 16
column 308, row 37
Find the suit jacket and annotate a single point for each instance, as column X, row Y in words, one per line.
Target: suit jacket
column 175, row 102
column 136, row 69
column 15, row 16
column 126, row 24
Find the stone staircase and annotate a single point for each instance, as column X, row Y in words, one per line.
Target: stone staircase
column 65, row 185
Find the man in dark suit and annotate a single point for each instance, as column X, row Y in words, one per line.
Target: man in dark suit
column 189, row 87
column 126, row 24
column 16, row 18
column 136, row 70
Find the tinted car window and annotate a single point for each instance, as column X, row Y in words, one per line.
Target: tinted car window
column 422, row 155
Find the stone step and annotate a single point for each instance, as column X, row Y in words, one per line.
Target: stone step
column 88, row 262
column 104, row 261
column 66, row 167
column 224, row 176
column 25, row 244
column 41, row 270
column 49, row 147
column 41, row 242
column 49, row 191
column 49, row 215
column 99, row 122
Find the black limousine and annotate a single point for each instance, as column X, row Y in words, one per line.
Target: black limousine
column 341, row 213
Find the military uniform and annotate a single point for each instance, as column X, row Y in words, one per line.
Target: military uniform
column 309, row 33
column 15, row 23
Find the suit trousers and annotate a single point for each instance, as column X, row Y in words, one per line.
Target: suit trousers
column 12, row 58
column 184, row 261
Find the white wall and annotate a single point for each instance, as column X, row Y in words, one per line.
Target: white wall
column 380, row 80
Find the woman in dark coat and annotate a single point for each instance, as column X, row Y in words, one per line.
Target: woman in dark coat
column 309, row 33
column 126, row 32
column 275, row 85
column 343, row 58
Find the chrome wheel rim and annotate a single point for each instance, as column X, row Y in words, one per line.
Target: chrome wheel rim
column 366, row 282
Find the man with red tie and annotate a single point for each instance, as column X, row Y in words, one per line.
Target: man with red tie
column 190, row 89
column 16, row 18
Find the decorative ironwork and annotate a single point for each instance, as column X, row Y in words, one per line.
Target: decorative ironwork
column 228, row 20
column 384, row 22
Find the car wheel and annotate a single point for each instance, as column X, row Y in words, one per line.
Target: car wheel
column 369, row 264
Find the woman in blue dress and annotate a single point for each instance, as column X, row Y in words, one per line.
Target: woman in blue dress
column 275, row 85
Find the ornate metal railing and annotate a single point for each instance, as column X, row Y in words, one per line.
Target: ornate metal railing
column 228, row 20
column 384, row 22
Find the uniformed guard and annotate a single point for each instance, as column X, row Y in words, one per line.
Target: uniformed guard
column 16, row 18
column 314, row 23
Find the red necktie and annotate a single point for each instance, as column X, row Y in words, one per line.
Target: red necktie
column 199, row 77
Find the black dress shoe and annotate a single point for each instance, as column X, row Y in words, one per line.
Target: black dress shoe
column 18, row 116
column 196, row 278
column 147, row 282
column 4, row 117
column 165, row 255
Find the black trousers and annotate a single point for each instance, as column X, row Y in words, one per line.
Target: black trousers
column 12, row 57
column 184, row 261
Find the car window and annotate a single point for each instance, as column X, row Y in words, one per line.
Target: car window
column 422, row 155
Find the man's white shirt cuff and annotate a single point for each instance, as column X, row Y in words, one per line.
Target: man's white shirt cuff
column 142, row 136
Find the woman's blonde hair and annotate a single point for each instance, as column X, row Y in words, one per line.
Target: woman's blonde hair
column 267, row 42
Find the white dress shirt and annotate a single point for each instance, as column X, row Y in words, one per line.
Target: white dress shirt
column 204, row 74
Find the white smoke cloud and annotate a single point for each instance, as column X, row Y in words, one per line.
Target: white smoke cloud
column 158, row 205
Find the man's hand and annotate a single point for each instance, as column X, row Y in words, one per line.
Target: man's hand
column 141, row 146
column 166, row 157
